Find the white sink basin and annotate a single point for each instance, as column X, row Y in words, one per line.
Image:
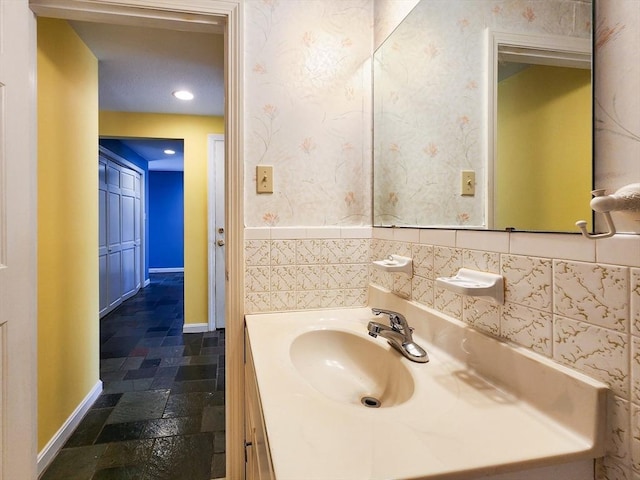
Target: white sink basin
column 351, row 369
column 480, row 407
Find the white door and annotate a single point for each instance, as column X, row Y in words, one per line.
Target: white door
column 18, row 220
column 120, row 230
column 217, row 273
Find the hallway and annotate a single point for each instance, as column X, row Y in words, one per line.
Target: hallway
column 161, row 414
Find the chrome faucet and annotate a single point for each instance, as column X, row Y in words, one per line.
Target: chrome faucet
column 398, row 334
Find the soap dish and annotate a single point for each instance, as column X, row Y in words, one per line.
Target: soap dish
column 474, row 283
column 395, row 264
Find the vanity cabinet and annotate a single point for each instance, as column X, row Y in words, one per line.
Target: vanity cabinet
column 258, row 458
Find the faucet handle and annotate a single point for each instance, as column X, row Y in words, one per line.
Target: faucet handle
column 396, row 320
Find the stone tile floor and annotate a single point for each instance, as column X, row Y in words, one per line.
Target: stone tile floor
column 161, row 413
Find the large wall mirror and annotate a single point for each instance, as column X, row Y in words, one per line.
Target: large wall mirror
column 482, row 116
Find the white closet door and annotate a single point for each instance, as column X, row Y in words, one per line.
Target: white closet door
column 102, row 234
column 121, row 229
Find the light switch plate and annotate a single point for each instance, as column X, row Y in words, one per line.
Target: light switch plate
column 468, row 182
column 264, row 179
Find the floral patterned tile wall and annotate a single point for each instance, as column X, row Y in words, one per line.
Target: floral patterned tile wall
column 580, row 309
column 297, row 269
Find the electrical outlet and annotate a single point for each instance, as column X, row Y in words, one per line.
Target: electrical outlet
column 468, row 182
column 264, row 179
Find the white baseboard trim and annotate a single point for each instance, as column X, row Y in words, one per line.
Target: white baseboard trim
column 195, row 327
column 50, row 450
column 167, row 270
column 147, row 282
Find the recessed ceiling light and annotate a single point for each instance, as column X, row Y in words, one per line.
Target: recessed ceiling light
column 183, row 95
column 168, row 151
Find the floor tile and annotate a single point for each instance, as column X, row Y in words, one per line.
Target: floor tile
column 129, row 472
column 128, row 453
column 89, row 429
column 161, row 412
column 107, row 400
column 166, row 427
column 213, row 419
column 120, row 432
column 74, row 463
column 196, row 372
column 181, row 457
column 139, row 406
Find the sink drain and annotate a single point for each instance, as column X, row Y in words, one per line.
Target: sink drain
column 370, row 402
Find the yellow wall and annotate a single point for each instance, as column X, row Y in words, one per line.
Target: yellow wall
column 68, row 329
column 194, row 131
column 544, row 146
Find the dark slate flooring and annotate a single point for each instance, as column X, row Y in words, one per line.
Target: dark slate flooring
column 161, row 413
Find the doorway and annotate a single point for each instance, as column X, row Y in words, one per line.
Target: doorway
column 222, row 17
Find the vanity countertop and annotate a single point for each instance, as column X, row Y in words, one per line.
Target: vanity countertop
column 456, row 424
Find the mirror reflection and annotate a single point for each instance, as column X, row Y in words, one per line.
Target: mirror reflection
column 434, row 107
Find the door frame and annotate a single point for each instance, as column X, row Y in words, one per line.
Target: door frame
column 218, row 16
column 215, row 214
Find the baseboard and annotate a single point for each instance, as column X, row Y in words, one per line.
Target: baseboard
column 167, row 270
column 195, row 327
column 147, row 282
column 51, row 449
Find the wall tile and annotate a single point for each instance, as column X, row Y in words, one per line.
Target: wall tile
column 448, row 302
column 446, row 238
column 568, row 247
column 634, row 303
column 310, row 277
column 528, row 327
column 635, row 369
column 257, row 302
column 257, row 279
column 597, row 294
column 446, row 261
column 284, row 278
column 283, row 301
column 479, row 260
column 288, row 233
column 355, row 297
column 401, row 285
column 619, row 250
column 481, row 314
column 619, row 435
column 477, row 240
column 422, row 290
column 348, row 251
column 310, row 252
column 527, row 281
column 423, row 260
column 283, row 252
column 257, row 252
column 599, row 352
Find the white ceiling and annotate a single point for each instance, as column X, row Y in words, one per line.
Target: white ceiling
column 139, row 68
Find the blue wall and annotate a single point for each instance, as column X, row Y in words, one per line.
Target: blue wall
column 166, row 219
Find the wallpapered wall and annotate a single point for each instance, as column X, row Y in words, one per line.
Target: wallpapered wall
column 568, row 298
column 617, row 99
column 307, row 111
column 617, row 154
column 430, row 113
